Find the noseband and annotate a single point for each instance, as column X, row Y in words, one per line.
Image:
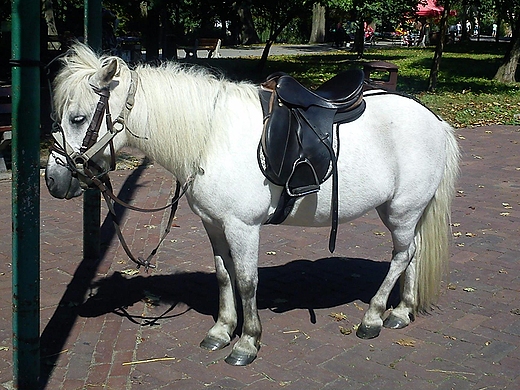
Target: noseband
column 80, row 162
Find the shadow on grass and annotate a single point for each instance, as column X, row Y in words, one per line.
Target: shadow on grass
column 467, row 65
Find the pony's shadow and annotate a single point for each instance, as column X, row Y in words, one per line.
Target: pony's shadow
column 299, row 284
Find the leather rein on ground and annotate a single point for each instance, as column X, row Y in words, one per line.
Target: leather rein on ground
column 81, row 164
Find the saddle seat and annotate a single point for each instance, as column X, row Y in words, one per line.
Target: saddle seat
column 340, row 93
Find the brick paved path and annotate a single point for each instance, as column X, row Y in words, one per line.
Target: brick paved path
column 96, row 318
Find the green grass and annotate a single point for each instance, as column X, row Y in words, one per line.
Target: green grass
column 466, row 94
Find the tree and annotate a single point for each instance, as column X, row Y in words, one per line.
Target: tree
column 439, row 48
column 248, row 34
column 278, row 14
column 318, row 24
column 506, row 71
column 366, row 11
column 48, row 13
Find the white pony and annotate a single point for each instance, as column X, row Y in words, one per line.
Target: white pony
column 398, row 158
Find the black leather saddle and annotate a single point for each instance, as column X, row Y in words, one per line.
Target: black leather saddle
column 297, row 149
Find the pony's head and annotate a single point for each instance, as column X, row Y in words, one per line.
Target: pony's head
column 92, row 97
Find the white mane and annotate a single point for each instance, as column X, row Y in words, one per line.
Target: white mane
column 180, row 112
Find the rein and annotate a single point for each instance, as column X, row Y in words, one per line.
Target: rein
column 105, row 186
column 80, row 163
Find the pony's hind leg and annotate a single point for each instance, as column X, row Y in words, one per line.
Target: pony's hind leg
column 219, row 336
column 404, row 313
column 404, row 249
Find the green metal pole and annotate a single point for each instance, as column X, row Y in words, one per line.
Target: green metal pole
column 26, row 192
column 92, row 197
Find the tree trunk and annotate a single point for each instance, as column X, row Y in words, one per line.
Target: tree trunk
column 439, row 48
column 48, row 12
column 247, row 30
column 272, row 39
column 318, row 24
column 359, row 38
column 506, row 72
column 152, row 33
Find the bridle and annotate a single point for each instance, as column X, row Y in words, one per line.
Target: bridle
column 81, row 163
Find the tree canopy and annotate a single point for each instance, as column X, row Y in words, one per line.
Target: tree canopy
column 162, row 23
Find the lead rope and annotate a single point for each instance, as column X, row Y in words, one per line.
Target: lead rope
column 105, row 188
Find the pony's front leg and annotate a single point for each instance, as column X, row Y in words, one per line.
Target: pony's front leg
column 219, row 336
column 236, row 262
column 243, row 241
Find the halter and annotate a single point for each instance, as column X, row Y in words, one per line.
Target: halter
column 80, row 162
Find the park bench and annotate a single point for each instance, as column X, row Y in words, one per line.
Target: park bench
column 212, row 45
column 388, row 69
column 5, row 124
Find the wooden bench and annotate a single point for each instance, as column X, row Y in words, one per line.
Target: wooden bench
column 212, row 45
column 387, row 68
column 5, row 124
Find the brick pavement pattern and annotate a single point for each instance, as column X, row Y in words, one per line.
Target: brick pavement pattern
column 105, row 326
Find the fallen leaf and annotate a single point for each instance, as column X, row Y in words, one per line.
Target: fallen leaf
column 406, row 342
column 338, row 316
column 130, row 272
column 345, row 331
column 151, row 299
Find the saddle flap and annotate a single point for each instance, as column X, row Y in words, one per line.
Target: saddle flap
column 288, row 138
column 276, row 138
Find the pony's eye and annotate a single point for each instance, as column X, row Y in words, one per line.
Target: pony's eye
column 78, row 119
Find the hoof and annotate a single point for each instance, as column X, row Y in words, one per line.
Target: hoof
column 394, row 322
column 212, row 344
column 239, row 359
column 367, row 332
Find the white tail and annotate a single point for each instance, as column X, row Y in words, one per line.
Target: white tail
column 433, row 232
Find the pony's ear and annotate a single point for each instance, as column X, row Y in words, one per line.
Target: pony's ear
column 104, row 76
